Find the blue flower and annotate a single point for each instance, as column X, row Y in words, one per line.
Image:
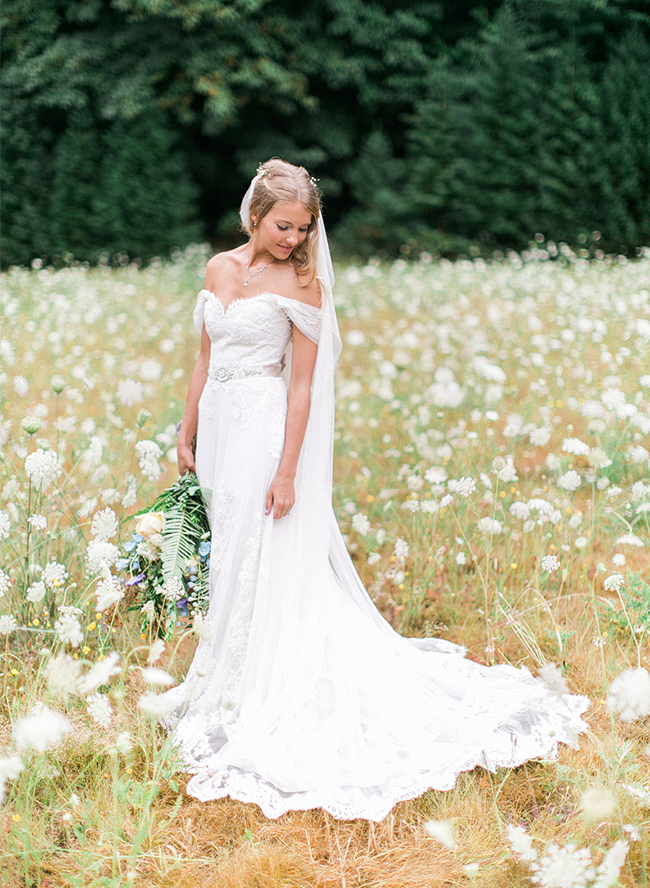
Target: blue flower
column 204, row 548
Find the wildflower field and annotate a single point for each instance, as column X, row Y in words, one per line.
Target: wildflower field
column 492, row 477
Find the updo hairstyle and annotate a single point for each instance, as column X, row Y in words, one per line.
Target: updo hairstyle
column 282, row 182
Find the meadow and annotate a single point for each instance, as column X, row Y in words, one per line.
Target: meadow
column 492, row 478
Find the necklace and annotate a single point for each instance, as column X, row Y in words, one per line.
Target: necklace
column 252, row 274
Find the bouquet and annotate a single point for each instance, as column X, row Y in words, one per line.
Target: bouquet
column 166, row 563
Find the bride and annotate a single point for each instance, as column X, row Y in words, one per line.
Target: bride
column 300, row 694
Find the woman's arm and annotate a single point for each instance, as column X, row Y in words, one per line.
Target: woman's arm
column 281, row 495
column 191, row 416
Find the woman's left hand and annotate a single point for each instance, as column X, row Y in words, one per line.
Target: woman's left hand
column 281, row 496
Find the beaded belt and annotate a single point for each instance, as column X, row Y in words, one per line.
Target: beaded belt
column 225, row 374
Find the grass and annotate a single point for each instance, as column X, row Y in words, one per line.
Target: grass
column 467, row 367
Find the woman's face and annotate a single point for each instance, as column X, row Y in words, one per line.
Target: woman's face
column 283, row 228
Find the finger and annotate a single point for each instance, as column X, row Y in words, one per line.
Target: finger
column 269, row 503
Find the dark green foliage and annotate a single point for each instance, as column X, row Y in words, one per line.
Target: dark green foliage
column 135, row 125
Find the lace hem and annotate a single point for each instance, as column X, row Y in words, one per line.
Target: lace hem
column 375, row 802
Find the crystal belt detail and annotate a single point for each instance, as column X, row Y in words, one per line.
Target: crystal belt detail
column 225, row 374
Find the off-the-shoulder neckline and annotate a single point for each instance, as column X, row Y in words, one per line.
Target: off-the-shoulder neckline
column 226, row 308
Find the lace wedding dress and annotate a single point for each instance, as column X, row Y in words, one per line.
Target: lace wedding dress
column 302, row 695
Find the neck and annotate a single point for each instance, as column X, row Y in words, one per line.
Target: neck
column 257, row 253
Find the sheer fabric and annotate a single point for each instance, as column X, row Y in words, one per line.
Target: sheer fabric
column 302, row 695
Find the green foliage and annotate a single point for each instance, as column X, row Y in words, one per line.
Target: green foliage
column 134, row 125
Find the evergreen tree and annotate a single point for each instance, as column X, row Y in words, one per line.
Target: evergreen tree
column 146, row 202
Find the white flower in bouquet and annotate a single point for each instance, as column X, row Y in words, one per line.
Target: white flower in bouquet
column 150, row 523
column 173, row 589
column 148, row 550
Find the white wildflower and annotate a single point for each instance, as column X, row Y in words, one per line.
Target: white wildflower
column 575, row 446
column 104, row 524
column 552, row 462
column 156, row 704
column 629, row 695
column 630, row 539
column 154, row 676
column 36, row 592
column 99, row 554
column 508, row 473
column 461, row 559
column 38, row 522
column 581, row 542
column 597, row 804
column 430, row 506
column 100, row 673
column 401, row 548
column 68, row 627
column 552, row 678
column 149, row 453
column 5, row 525
column 42, row 466
column 519, row 510
column 7, row 624
column 54, row 574
column 200, row 626
column 10, row 768
column 466, row 486
column 5, row 584
column 21, row 386
column 156, row 650
column 614, row 582
column 618, row 560
column 447, row 500
column 613, row 399
column 123, row 743
column 374, row 558
column 100, row 709
column 521, row 844
column 566, row 867
column 636, row 453
column 361, row 523
column 540, row 437
column 129, row 392
column 575, row 520
column 62, row 674
column 410, row 505
column 550, row 563
column 173, row 589
column 435, row 475
column 442, row 831
column 610, row 869
column 41, row 729
column 130, row 495
column 571, row 480
column 490, row 526
column 109, row 591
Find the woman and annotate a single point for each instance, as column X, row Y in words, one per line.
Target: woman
column 300, row 694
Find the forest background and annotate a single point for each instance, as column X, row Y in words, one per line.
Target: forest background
column 131, row 127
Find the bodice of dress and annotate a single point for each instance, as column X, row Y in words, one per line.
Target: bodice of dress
column 250, row 336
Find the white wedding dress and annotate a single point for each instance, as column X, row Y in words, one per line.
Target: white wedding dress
column 303, row 696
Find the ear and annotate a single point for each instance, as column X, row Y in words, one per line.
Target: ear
column 253, row 220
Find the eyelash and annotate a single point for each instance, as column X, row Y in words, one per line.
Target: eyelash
column 286, row 228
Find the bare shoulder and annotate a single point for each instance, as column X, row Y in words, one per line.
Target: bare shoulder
column 220, row 266
column 308, row 294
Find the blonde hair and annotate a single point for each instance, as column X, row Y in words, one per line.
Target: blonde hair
column 282, row 182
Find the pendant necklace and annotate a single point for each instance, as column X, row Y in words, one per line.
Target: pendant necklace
column 252, row 274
